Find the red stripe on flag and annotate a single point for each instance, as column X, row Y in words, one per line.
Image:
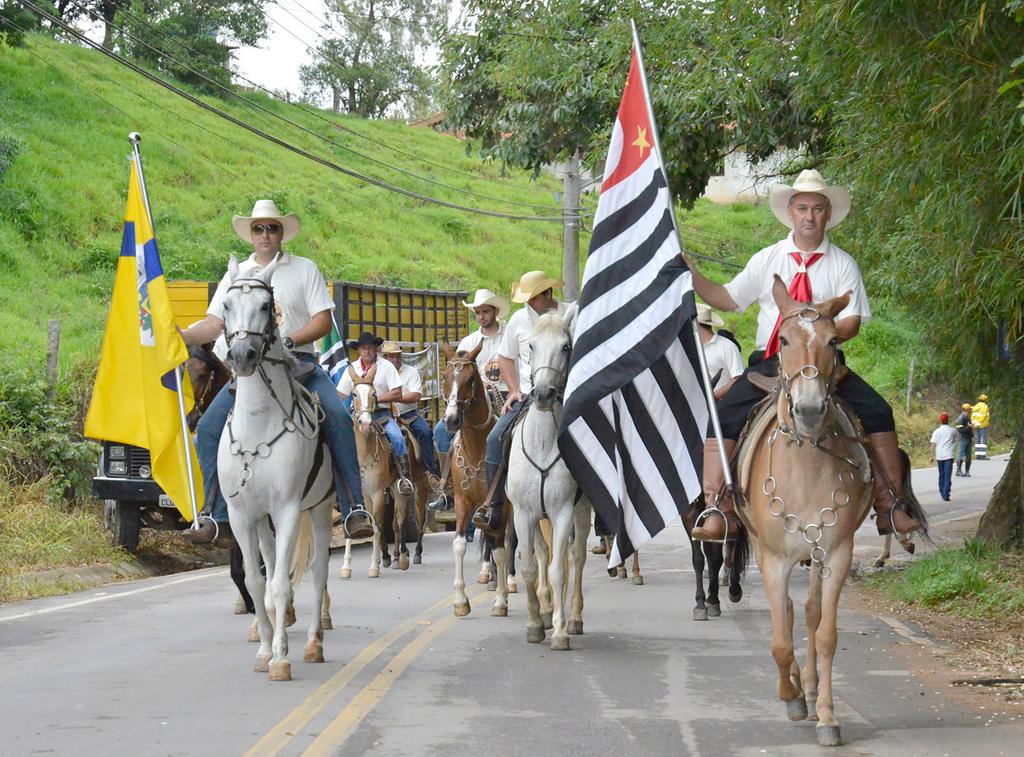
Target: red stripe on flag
column 635, row 123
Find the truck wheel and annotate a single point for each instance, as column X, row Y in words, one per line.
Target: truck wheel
column 125, row 525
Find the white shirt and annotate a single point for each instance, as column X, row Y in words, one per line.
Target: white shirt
column 300, row 292
column 723, row 355
column 411, row 384
column 832, row 275
column 944, row 439
column 488, row 353
column 384, row 380
column 516, row 343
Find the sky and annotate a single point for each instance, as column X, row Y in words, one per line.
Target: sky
column 275, row 63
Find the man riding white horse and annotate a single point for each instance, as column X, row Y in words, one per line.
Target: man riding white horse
column 304, row 315
column 388, row 386
column 816, row 270
column 536, row 290
column 407, row 405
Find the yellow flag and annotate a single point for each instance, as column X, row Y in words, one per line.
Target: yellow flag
column 134, row 400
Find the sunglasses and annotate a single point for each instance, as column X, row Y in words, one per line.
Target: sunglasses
column 270, row 228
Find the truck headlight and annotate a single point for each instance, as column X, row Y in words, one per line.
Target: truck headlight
column 119, row 467
column 116, row 452
column 145, row 471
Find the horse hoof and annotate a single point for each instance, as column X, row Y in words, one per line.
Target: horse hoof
column 280, row 671
column 326, row 623
column 461, row 609
column 484, row 577
column 373, row 573
column 574, row 627
column 828, row 735
column 910, row 547
column 638, row 580
column 714, row 611
column 240, row 608
column 262, row 663
column 797, row 709
column 417, row 559
column 289, row 616
column 492, row 586
column 403, row 564
column 499, row 612
column 546, row 619
column 700, row 613
column 254, row 633
column 393, row 565
column 313, row 653
column 385, row 560
column 534, row 635
column 620, row 571
column 879, row 563
column 512, row 588
column 560, row 643
column 734, row 598
column 613, row 572
column 346, row 572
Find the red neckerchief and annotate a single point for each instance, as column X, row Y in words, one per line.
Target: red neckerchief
column 366, row 366
column 799, row 290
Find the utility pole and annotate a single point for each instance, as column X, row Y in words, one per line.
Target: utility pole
column 571, row 228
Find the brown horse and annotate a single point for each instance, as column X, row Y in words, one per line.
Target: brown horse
column 807, row 483
column 469, row 418
column 208, row 375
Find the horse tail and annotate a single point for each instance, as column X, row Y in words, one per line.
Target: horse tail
column 911, row 506
column 302, row 555
column 741, row 552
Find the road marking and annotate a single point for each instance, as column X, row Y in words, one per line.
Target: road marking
column 905, row 631
column 335, row 734
column 279, row 736
column 106, row 597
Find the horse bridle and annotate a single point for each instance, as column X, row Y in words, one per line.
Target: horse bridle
column 562, row 375
column 458, row 363
column 806, row 314
column 246, row 285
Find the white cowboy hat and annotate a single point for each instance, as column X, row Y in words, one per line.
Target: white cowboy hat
column 707, row 317
column 266, row 210
column 809, row 181
column 486, row 297
column 533, row 283
column 389, row 348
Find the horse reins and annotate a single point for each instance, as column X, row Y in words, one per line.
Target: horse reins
column 545, row 470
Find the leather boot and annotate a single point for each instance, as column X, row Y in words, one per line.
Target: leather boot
column 713, row 527
column 889, row 516
column 489, row 518
column 404, row 475
column 442, row 496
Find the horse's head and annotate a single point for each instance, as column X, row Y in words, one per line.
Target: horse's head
column 364, row 398
column 809, row 364
column 250, row 322
column 461, row 378
column 550, row 348
column 207, row 374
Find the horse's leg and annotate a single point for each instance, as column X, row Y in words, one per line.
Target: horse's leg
column 528, row 533
column 700, row 610
column 714, row 568
column 637, row 579
column 268, row 551
column 379, row 512
column 248, row 541
column 512, row 545
column 838, row 562
column 581, row 517
column 542, row 548
column 735, row 589
column 460, row 601
column 883, row 556
column 812, row 616
column 321, row 515
column 325, row 613
column 561, row 525
column 401, row 551
column 287, row 525
column 500, row 608
column 421, row 525
column 775, row 575
column 486, row 553
column 346, row 563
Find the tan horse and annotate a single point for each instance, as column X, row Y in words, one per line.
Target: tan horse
column 807, row 483
column 468, row 416
column 377, row 470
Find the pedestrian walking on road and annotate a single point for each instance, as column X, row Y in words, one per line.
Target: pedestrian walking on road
column 965, row 446
column 943, row 442
column 980, row 418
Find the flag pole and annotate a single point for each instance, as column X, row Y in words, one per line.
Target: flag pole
column 134, row 138
column 708, row 388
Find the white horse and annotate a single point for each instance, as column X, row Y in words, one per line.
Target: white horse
column 272, row 465
column 539, row 485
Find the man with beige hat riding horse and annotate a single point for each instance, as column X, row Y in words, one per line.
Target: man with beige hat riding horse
column 814, row 270
column 722, row 355
column 303, row 307
column 489, row 309
column 407, row 409
column 536, row 291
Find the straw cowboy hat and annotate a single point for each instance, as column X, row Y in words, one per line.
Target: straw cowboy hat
column 707, row 317
column 266, row 210
column 487, row 297
column 982, row 398
column 365, row 339
column 533, row 283
column 809, row 181
column 966, row 406
column 389, row 348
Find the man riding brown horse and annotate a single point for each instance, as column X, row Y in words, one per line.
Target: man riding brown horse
column 813, row 267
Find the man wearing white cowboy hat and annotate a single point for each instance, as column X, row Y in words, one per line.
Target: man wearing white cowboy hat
column 489, row 310
column 304, row 315
column 722, row 355
column 407, row 408
column 815, row 270
column 536, row 290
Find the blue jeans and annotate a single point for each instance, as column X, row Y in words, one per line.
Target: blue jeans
column 337, row 431
column 945, row 477
column 442, row 438
column 421, row 430
column 492, row 455
column 392, row 432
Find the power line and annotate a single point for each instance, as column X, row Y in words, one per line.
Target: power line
column 270, row 137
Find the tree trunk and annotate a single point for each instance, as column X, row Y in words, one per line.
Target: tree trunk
column 108, row 9
column 336, row 99
column 1003, row 520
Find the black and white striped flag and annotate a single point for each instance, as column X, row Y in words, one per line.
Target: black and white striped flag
column 635, row 413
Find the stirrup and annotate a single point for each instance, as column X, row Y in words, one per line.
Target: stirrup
column 356, row 529
column 707, row 511
column 481, row 519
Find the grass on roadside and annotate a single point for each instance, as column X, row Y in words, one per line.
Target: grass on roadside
column 978, row 581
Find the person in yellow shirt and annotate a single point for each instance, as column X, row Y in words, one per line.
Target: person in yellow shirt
column 980, row 421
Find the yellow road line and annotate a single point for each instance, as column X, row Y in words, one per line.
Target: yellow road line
column 279, row 736
column 335, row 734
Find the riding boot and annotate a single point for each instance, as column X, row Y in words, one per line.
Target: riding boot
column 404, row 475
column 889, row 493
column 713, row 527
column 489, row 517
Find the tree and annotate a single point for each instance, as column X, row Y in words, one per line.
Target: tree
column 370, row 62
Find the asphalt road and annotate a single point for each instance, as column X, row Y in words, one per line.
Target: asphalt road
column 161, row 667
